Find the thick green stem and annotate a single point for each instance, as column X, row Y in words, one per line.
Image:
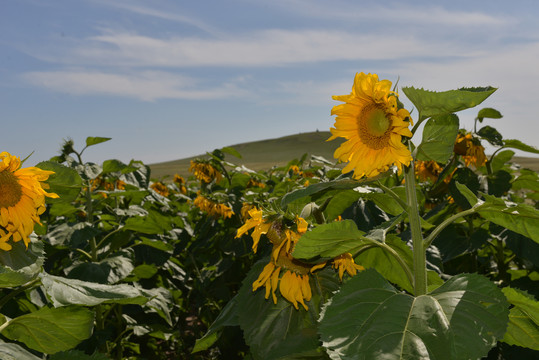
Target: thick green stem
column 420, row 259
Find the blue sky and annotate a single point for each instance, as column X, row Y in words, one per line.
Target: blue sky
column 171, row 79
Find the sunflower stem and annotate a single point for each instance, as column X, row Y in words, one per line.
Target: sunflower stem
column 420, row 258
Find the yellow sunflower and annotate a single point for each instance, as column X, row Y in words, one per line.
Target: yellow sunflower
column 22, row 199
column 470, row 149
column 257, row 222
column 160, row 188
column 205, row 172
column 213, row 208
column 373, row 125
column 345, row 262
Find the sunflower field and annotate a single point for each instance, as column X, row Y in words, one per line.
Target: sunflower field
column 395, row 250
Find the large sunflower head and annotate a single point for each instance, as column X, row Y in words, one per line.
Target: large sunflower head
column 22, row 199
column 373, row 124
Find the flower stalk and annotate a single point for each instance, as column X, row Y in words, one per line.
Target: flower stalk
column 420, row 259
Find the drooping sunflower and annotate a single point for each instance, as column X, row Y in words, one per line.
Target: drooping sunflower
column 160, row 188
column 470, row 149
column 373, row 125
column 213, row 208
column 205, row 171
column 22, row 199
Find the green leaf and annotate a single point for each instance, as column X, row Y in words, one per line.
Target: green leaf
column 439, row 137
column 343, row 184
column 64, row 292
column 90, row 140
column 340, row 202
column 51, row 330
column 227, row 317
column 65, row 182
column 491, row 135
column 107, row 271
column 488, row 113
column 517, row 144
column 10, row 351
column 527, row 180
column 522, row 218
column 153, row 223
column 523, row 328
column 20, row 265
column 329, row 240
column 467, row 193
column 501, row 159
column 231, row 151
column 369, row 319
column 432, row 103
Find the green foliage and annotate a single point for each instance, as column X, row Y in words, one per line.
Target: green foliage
column 462, row 319
column 439, row 137
column 128, row 265
column 432, row 103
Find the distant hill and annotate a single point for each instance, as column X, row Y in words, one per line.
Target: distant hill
column 264, row 154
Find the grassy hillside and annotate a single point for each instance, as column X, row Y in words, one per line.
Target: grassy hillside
column 261, row 155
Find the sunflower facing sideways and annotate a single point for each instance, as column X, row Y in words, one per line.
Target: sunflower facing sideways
column 373, row 126
column 22, row 199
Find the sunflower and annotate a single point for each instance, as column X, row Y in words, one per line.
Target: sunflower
column 180, row 183
column 258, row 223
column 470, row 149
column 213, row 208
column 204, row 171
column 373, row 125
column 160, row 188
column 22, row 199
column 345, row 262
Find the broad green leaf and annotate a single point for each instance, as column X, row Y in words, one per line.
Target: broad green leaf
column 501, row 159
column 432, row 103
column 20, row 265
column 521, row 218
column 517, row 144
column 489, row 113
column 113, row 165
column 329, row 240
column 491, row 135
column 153, row 223
column 526, row 180
column 231, row 151
column 74, row 235
column 499, row 183
column 11, row 351
column 344, row 184
column 65, row 182
column 51, row 330
column 523, row 328
column 439, row 137
column 90, row 140
column 107, row 271
column 467, row 193
column 369, row 319
column 340, row 202
column 227, row 317
column 64, row 292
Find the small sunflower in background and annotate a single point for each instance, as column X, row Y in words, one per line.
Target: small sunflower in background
column 22, row 199
column 204, row 171
column 373, row 125
column 471, row 150
column 160, row 188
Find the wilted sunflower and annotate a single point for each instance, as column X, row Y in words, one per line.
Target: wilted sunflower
column 213, row 208
column 345, row 262
column 22, row 199
column 470, row 149
column 373, row 125
column 180, row 183
column 160, row 188
column 205, row 172
column 257, row 222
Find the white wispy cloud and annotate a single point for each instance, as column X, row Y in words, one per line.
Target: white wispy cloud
column 390, row 13
column 266, row 48
column 146, row 85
